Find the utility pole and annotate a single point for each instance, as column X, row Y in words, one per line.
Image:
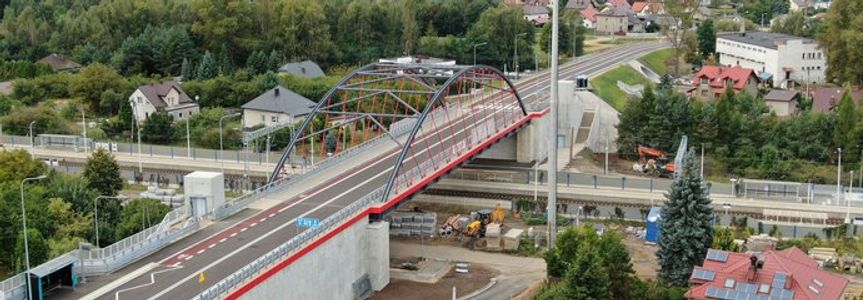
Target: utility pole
column 839, row 177
column 515, row 59
column 474, row 51
column 552, row 140
column 188, row 140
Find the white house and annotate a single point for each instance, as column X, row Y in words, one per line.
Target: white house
column 276, row 106
column 166, row 96
column 785, row 59
column 537, row 15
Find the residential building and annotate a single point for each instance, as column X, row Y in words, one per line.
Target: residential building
column 786, row 275
column 579, row 4
column 710, row 82
column 278, row 105
column 824, row 99
column 644, row 9
column 789, row 60
column 537, row 15
column 306, row 68
column 783, row 102
column 165, row 96
column 588, row 16
column 60, row 63
column 618, row 20
column 619, row 4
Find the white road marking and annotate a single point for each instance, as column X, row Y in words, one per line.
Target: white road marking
column 211, row 245
column 272, row 215
column 152, row 280
column 201, row 251
column 188, row 257
column 244, row 229
column 232, row 235
column 262, row 220
column 253, row 225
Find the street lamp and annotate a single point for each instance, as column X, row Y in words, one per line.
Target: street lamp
column 24, row 224
column 515, row 60
column 140, row 158
column 221, row 141
column 32, row 140
column 96, row 209
column 839, row 176
column 474, row 51
column 733, row 188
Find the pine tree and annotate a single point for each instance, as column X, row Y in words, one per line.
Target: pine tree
column 617, row 265
column 586, row 278
column 186, row 70
column 103, row 173
column 257, row 62
column 685, row 231
column 208, row 69
column 274, row 61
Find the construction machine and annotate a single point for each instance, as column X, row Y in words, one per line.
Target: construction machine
column 654, row 162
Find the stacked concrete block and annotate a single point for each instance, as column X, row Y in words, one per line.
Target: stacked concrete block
column 492, row 236
column 512, row 239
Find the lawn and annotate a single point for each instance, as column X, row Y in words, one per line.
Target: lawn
column 605, row 85
column 658, row 60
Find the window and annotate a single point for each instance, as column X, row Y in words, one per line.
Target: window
column 804, row 56
column 819, row 55
column 274, row 119
column 729, row 283
column 181, row 115
column 263, row 118
column 704, row 93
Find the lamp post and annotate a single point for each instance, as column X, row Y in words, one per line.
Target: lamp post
column 140, row 158
column 84, row 125
column 839, row 176
column 474, row 51
column 515, row 60
column 552, row 134
column 24, row 224
column 32, row 140
column 96, row 213
column 221, row 141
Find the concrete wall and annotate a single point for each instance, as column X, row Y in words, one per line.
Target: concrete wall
column 330, row 271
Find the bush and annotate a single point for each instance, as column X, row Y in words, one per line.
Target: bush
column 47, row 121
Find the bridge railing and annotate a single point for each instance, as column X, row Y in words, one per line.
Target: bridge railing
column 13, row 287
column 128, row 250
column 397, row 129
column 293, row 245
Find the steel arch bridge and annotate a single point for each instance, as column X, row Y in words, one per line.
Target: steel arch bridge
column 434, row 113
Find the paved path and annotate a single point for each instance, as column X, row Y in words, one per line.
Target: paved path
column 516, row 273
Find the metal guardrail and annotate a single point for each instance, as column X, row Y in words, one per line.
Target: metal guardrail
column 296, row 243
column 13, row 287
column 262, row 132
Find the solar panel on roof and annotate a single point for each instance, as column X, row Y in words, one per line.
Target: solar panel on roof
column 702, row 274
column 779, row 280
column 747, row 288
column 716, row 255
column 720, row 293
column 781, row 294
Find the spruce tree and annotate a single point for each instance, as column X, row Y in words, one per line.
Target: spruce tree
column 186, row 70
column 208, row 69
column 274, row 61
column 685, row 230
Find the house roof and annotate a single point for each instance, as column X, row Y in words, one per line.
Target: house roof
column 620, row 3
column 763, row 39
column 281, row 100
column 800, row 3
column 640, row 6
column 534, row 10
column 59, row 62
column 789, row 273
column 156, row 92
column 6, row 88
column 579, row 4
column 825, row 98
column 616, row 12
column 306, row 68
column 589, row 13
column 781, row 95
column 718, row 75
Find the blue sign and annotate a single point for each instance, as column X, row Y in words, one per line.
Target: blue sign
column 308, row 222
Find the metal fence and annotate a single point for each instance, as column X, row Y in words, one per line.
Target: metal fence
column 150, row 150
column 296, row 243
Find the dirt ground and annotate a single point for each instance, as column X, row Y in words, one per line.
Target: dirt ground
column 478, row 277
column 643, row 257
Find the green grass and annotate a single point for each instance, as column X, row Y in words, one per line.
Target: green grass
column 605, row 85
column 658, row 60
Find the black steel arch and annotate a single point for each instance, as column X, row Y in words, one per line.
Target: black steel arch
column 437, row 98
column 422, row 74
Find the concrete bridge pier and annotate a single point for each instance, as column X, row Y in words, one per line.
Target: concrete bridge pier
column 352, row 263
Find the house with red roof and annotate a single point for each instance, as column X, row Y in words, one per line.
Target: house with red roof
column 644, row 9
column 619, row 4
column 588, row 16
column 772, row 275
column 710, row 82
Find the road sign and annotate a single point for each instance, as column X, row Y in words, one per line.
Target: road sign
column 308, row 222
